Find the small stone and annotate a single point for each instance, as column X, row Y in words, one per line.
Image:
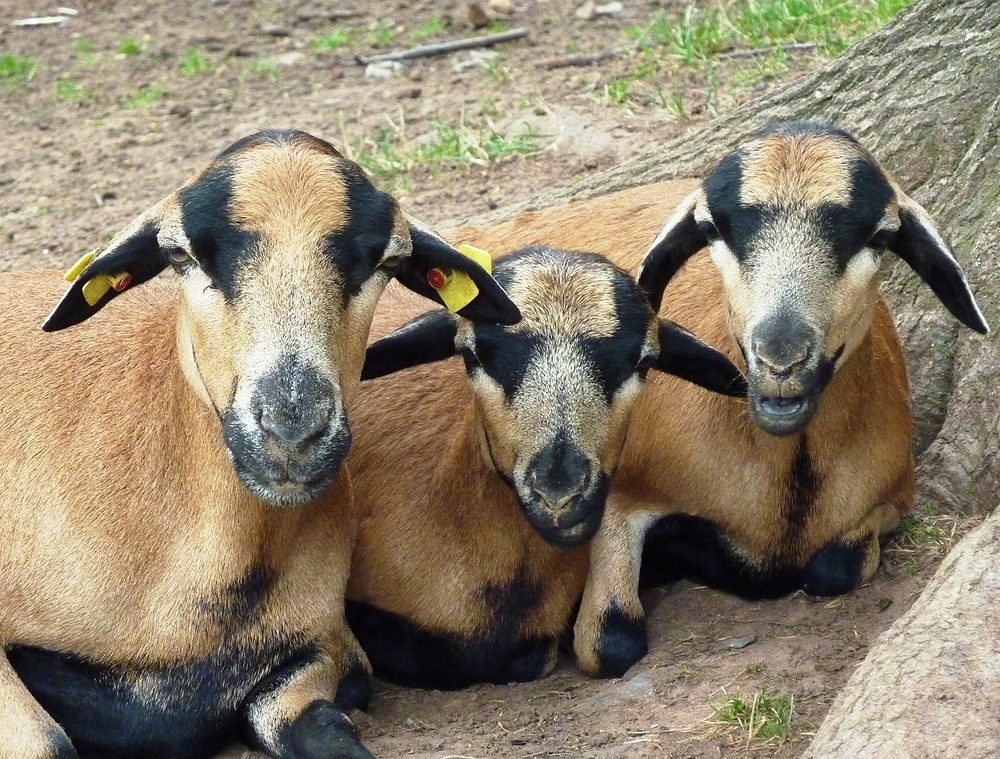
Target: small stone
column 608, row 9
column 274, row 30
column 501, row 7
column 289, row 59
column 383, row 69
column 586, row 11
column 476, row 16
column 737, row 643
column 884, row 603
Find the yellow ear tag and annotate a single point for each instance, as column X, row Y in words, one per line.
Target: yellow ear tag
column 456, row 288
column 97, row 288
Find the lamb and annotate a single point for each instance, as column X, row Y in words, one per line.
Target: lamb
column 795, row 488
column 479, row 489
column 170, row 575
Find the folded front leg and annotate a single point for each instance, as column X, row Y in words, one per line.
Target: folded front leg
column 300, row 712
column 610, row 630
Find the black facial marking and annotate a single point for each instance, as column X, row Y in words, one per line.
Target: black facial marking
column 849, row 228
column 221, row 247
column 616, row 358
column 621, row 643
column 357, row 248
column 504, row 355
column 737, row 224
column 408, row 654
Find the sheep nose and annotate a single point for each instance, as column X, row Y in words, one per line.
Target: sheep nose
column 782, row 345
column 294, row 428
column 559, row 474
column 293, row 403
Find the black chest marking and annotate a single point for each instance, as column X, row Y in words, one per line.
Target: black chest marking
column 803, row 485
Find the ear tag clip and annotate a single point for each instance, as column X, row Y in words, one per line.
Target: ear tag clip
column 456, row 288
column 96, row 288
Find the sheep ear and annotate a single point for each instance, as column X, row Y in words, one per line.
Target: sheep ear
column 489, row 302
column 919, row 243
column 684, row 355
column 678, row 240
column 428, row 338
column 134, row 256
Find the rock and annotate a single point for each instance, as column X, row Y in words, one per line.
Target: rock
column 289, row 59
column 273, row 30
column 476, row 16
column 586, row 11
column 608, row 9
column 383, row 69
column 501, row 7
column 476, row 59
column 735, row 644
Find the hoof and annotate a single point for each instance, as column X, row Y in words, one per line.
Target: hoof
column 833, row 570
column 621, row 643
column 322, row 731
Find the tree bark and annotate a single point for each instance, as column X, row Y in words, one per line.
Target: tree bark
column 928, row 687
column 923, row 94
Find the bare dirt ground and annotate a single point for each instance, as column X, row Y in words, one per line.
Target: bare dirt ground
column 92, row 136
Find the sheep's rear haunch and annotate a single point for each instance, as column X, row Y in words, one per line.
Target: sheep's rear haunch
column 154, row 602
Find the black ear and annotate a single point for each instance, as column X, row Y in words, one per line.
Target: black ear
column 920, row 244
column 678, row 240
column 132, row 258
column 428, row 338
column 684, row 355
column 492, row 304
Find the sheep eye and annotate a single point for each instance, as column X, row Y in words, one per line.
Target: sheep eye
column 178, row 257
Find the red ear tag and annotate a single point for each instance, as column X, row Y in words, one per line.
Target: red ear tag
column 436, row 279
column 121, row 281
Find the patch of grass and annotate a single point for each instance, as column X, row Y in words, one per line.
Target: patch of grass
column 69, row 90
column 16, row 70
column 335, row 40
column 144, row 97
column 131, row 46
column 498, row 72
column 925, row 537
column 194, row 63
column 265, row 66
column 389, row 155
column 700, row 34
column 616, row 91
column 764, row 716
column 431, row 27
column 383, row 37
column 83, row 45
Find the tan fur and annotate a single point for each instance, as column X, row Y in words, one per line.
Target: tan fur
column 806, row 169
column 689, row 451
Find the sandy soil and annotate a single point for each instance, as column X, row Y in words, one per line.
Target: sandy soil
column 75, row 168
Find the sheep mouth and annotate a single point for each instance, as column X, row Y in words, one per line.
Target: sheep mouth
column 782, row 416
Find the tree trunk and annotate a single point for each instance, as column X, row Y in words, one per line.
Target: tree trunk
column 929, row 685
column 924, row 95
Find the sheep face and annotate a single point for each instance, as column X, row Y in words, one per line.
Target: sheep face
column 797, row 220
column 282, row 248
column 554, row 392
